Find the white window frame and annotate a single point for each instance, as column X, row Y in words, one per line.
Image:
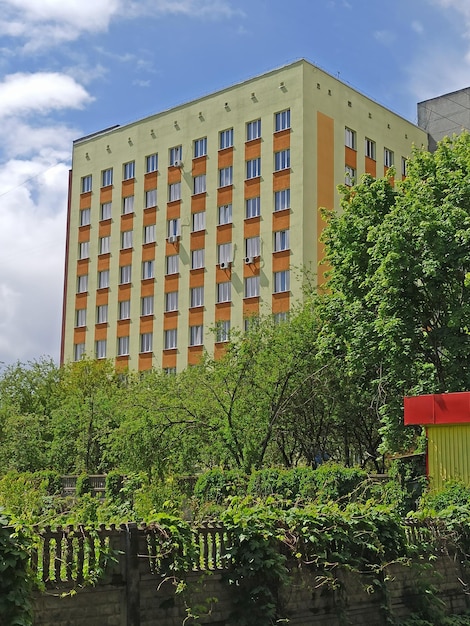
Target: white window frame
column 78, row 351
column 171, row 301
column 147, row 305
column 404, row 166
column 148, row 270
column 125, row 274
column 223, row 331
column 150, row 198
column 251, row 287
column 146, row 342
column 226, row 138
column 226, row 176
column 349, row 176
column 171, row 339
column 224, row 253
column 253, row 207
column 197, row 259
column 281, row 240
column 350, row 140
column 196, row 297
column 282, row 120
column 123, row 346
column 198, row 221
column 225, row 214
column 105, row 245
column 200, row 147
column 128, row 170
column 85, row 217
column 370, row 149
column 199, row 184
column 84, row 250
column 151, row 163
column 102, row 314
column 103, row 279
column 124, row 309
column 128, row 205
column 86, row 184
column 80, row 318
column 100, row 348
column 253, row 130
column 253, row 246
column 150, row 233
column 174, row 192
column 106, row 211
column 282, row 160
column 253, row 168
column 126, row 239
column 280, row 317
column 176, row 154
column 107, row 177
column 172, row 264
column 282, row 199
column 389, row 157
column 224, row 292
column 196, row 335
column 173, row 227
column 281, row 281
column 82, row 283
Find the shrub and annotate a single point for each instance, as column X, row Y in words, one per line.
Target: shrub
column 453, row 493
column 216, row 485
column 83, row 485
column 114, row 483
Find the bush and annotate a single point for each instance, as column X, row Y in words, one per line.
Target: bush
column 114, row 483
column 83, row 485
column 334, row 481
column 453, row 493
column 216, row 485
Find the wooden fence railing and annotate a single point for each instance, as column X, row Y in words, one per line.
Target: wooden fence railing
column 71, row 554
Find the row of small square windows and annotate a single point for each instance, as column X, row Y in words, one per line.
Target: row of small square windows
column 282, row 122
column 350, row 141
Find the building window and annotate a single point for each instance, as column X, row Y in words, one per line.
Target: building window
column 84, row 250
column 150, row 198
column 171, row 337
column 224, row 292
column 147, row 305
column 224, row 253
column 85, row 217
column 80, row 318
column 349, row 176
column 225, row 214
column 200, row 147
column 388, row 157
column 196, row 334
column 171, row 301
column 105, row 213
column 151, row 163
column 278, row 318
column 197, row 296
column 123, row 346
column 282, row 199
column 170, row 371
column 78, row 351
column 282, row 160
column 253, row 168
column 174, row 192
column 197, row 259
column 252, row 247
column 107, row 177
column 128, row 205
column 199, row 221
column 124, row 312
column 86, row 184
column 104, row 245
column 176, row 155
column 404, row 166
column 172, row 263
column 226, row 139
column 252, row 287
column 173, row 227
column 82, row 283
column 200, row 184
column 126, row 239
column 125, row 272
column 150, row 233
column 281, row 240
column 148, row 269
column 103, row 279
column 100, row 349
column 146, row 340
column 253, row 207
column 129, row 170
column 370, row 148
column 223, row 331
column 350, row 138
column 253, row 130
column 282, row 120
column 102, row 314
column 281, row 281
column 225, row 176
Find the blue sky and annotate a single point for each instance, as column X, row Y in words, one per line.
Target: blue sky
column 71, row 67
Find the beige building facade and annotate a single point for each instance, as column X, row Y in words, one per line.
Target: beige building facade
column 184, row 225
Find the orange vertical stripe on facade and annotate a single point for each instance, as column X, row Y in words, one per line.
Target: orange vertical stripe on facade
column 198, row 240
column 146, row 324
column 83, row 234
column 251, row 269
column 150, row 216
column 281, row 261
column 252, row 188
column 252, row 149
column 103, row 262
column 79, row 335
column 370, row 166
column 125, row 257
column 123, row 328
column 281, row 302
column 251, row 227
column 350, row 157
column 150, row 181
column 222, row 275
column 145, row 361
column 219, row 350
column 127, row 221
column 169, row 358
column 224, row 234
column 224, row 195
column 173, row 210
column 121, row 363
column 170, row 320
column 104, row 229
column 101, row 332
column 196, row 278
column 106, row 194
column 148, row 251
column 124, row 292
column 127, row 188
column 174, row 175
column 195, row 354
column 198, row 202
column 199, row 166
column 171, row 283
column 281, row 140
column 147, row 287
column 281, row 180
column 82, row 267
column 250, row 307
column 281, row 220
column 223, row 311
column 225, row 158
column 196, row 316
column 101, row 298
column 325, row 179
column 85, row 200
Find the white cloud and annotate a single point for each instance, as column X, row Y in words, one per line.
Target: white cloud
column 40, row 93
column 385, row 37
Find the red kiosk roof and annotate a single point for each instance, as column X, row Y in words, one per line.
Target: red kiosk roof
column 442, row 408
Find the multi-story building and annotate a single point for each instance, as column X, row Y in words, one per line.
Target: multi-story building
column 185, row 224
column 445, row 115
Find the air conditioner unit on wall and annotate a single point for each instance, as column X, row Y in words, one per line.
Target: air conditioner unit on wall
column 172, row 238
column 224, row 265
column 177, row 163
column 249, row 259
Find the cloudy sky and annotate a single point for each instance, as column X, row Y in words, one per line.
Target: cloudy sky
column 71, row 67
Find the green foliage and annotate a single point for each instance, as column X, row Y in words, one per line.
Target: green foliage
column 83, row 485
column 216, row 485
column 453, row 494
column 15, row 580
column 114, row 483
